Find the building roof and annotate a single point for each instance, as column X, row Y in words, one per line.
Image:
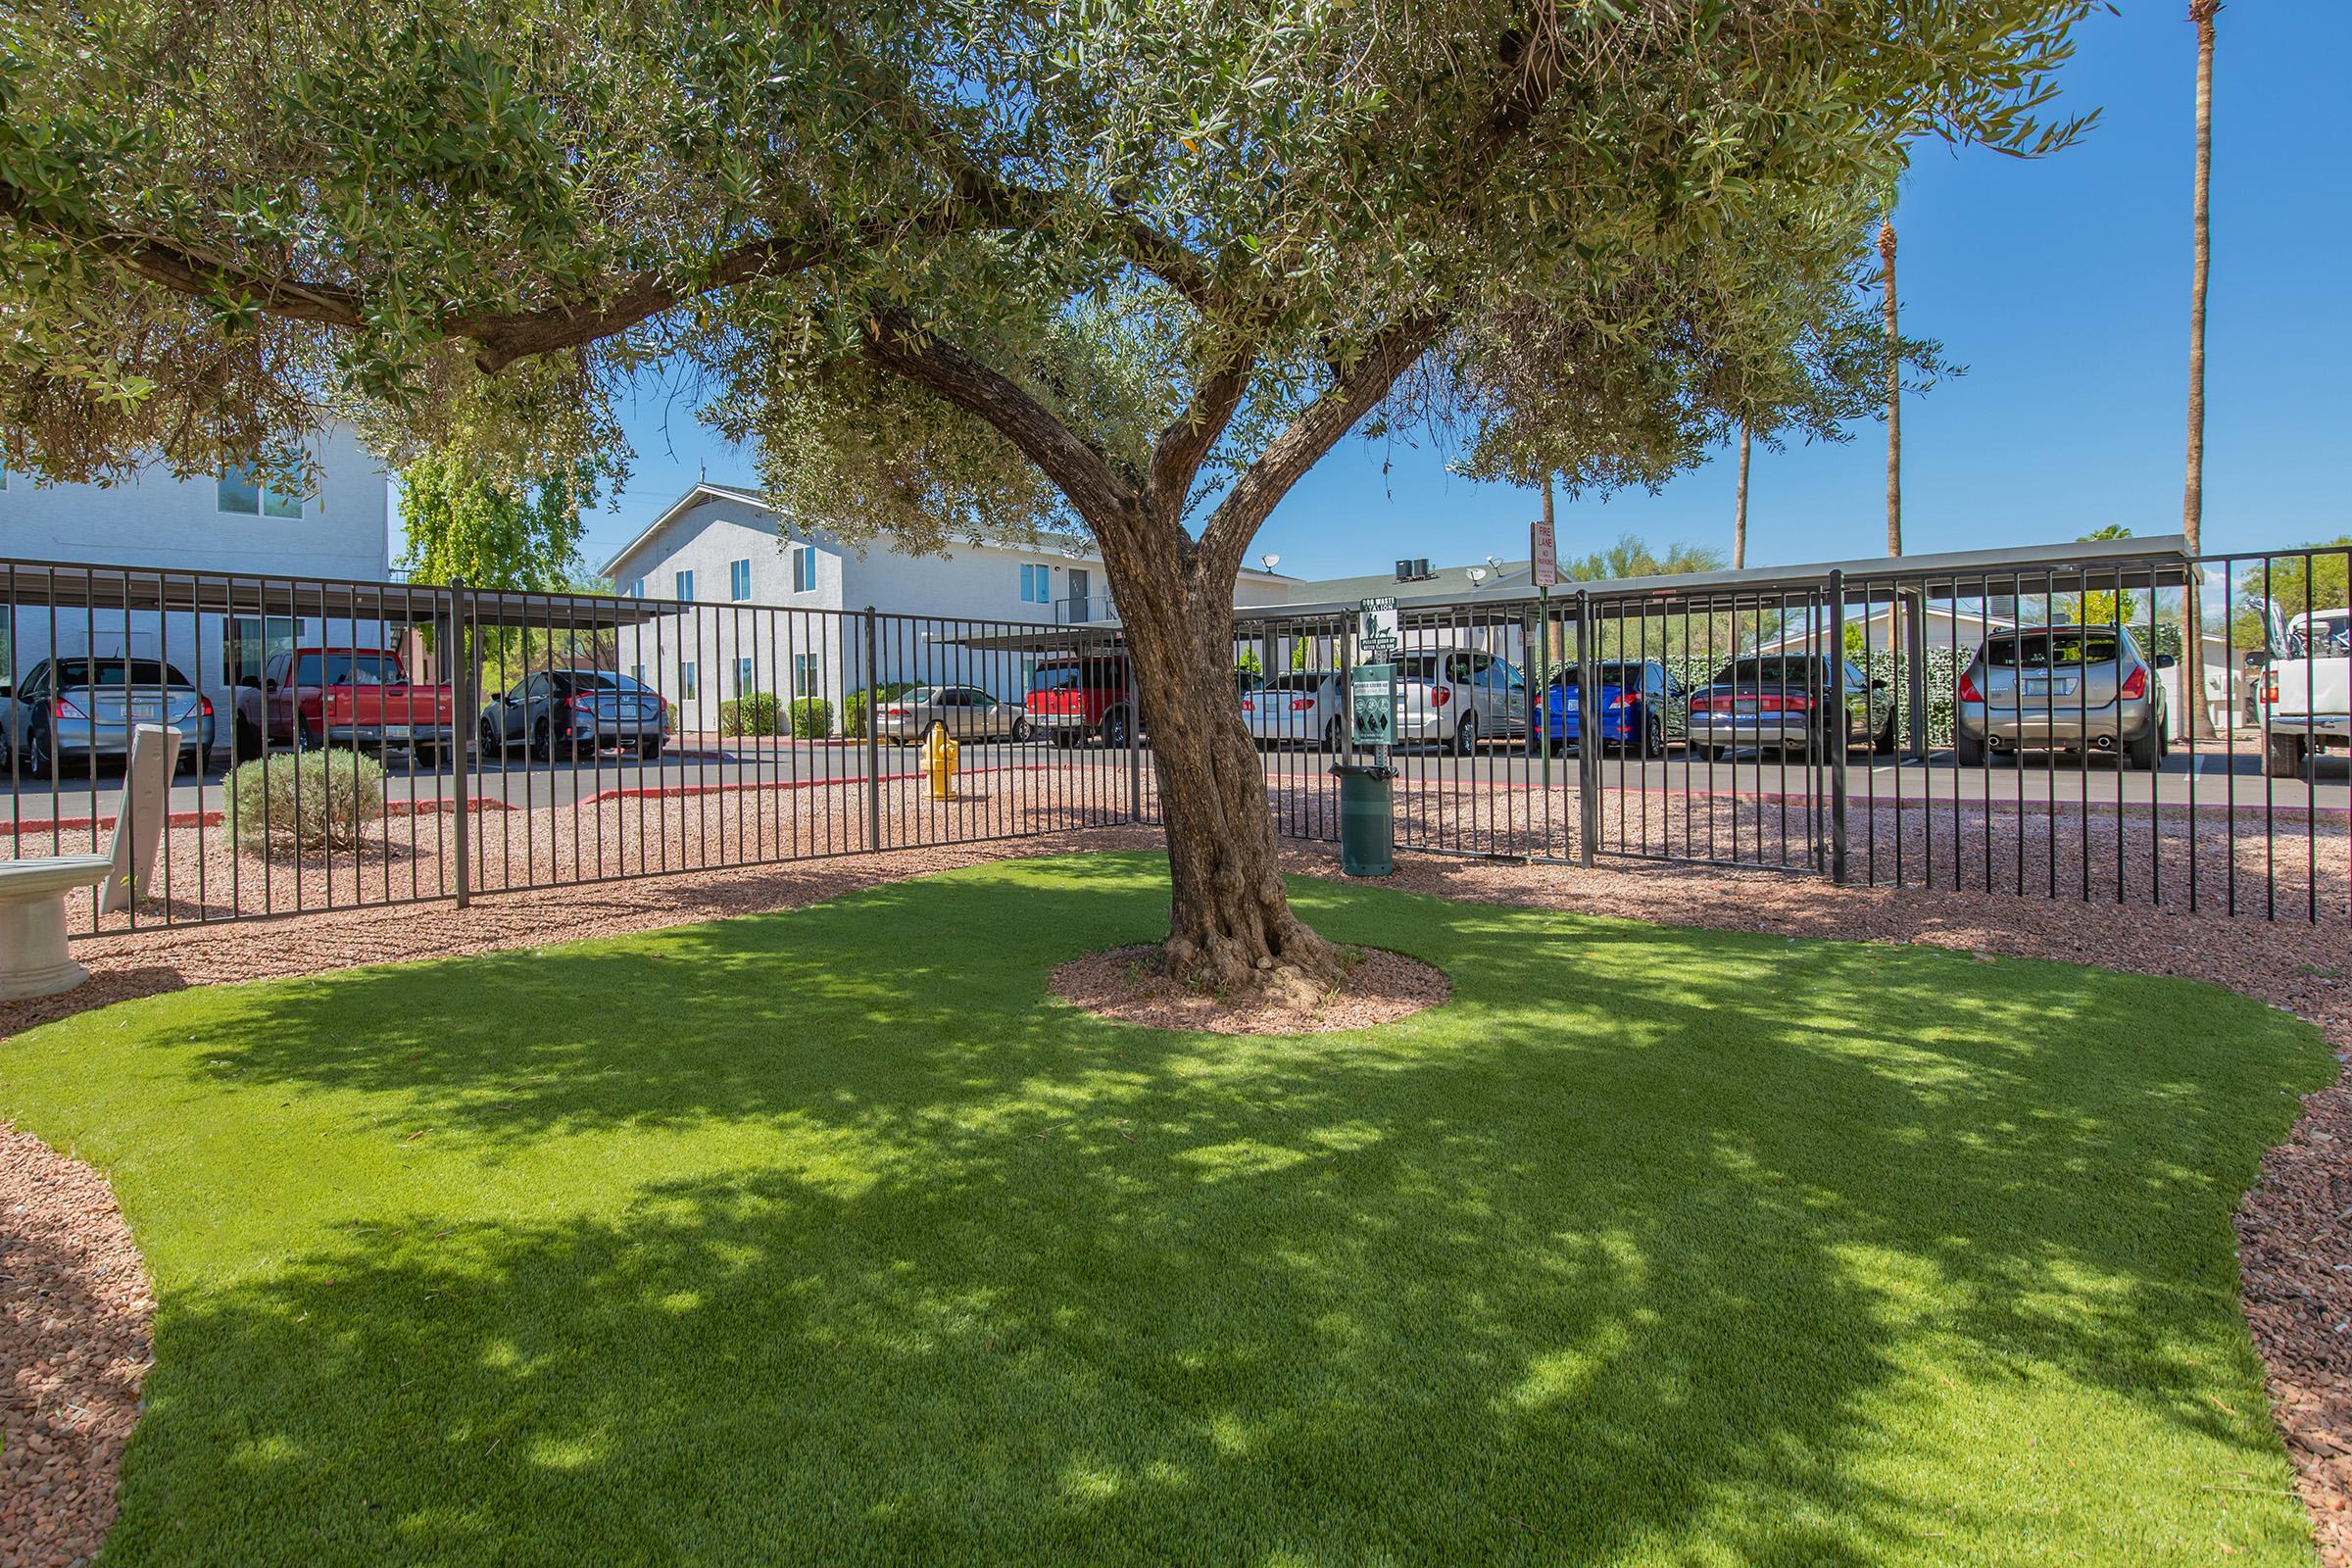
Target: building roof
column 1502, row 577
column 703, row 489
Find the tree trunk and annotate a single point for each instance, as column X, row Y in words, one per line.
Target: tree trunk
column 2192, row 502
column 1230, row 925
column 1739, row 505
column 1895, row 423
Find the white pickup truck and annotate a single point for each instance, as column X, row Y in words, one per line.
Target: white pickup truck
column 2305, row 689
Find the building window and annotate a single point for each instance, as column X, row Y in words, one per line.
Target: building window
column 739, row 579
column 1037, row 585
column 687, row 689
column 744, row 677
column 806, row 681
column 636, row 589
column 685, row 586
column 804, row 569
column 244, row 494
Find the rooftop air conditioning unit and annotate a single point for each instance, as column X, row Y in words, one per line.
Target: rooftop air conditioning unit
column 1414, row 571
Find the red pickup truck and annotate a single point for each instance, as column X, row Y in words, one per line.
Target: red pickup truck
column 356, row 696
column 1076, row 696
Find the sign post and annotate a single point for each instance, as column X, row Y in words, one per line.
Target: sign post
column 1543, row 565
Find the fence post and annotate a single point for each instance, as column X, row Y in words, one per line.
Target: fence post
column 1833, row 732
column 463, row 704
column 1915, row 631
column 1587, row 740
column 1135, row 750
column 874, row 743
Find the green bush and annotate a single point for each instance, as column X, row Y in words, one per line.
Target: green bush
column 757, row 714
column 305, row 800
column 811, row 718
column 853, row 706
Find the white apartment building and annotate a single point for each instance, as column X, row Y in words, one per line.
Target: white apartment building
column 720, row 546
column 227, row 526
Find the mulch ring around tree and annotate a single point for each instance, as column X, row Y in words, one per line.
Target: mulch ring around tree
column 1128, row 986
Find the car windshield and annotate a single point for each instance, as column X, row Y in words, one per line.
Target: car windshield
column 347, row 669
column 2054, row 649
column 1074, row 677
column 1611, row 674
column 919, row 694
column 113, row 673
column 1296, row 683
column 1771, row 673
column 2326, row 634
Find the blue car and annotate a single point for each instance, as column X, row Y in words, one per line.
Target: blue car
column 1642, row 705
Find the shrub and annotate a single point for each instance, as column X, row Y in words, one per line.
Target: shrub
column 811, row 718
column 307, row 800
column 853, row 706
column 757, row 714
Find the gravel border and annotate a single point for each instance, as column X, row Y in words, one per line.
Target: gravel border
column 2291, row 1228
column 75, row 1310
column 1122, row 984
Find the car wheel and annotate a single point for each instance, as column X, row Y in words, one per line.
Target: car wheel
column 2142, row 752
column 543, row 742
column 1114, row 729
column 1465, row 735
column 648, row 750
column 1019, row 731
column 246, row 741
column 39, row 760
column 2282, row 757
column 1653, row 739
column 1883, row 742
column 1966, row 750
column 427, row 758
column 1335, row 735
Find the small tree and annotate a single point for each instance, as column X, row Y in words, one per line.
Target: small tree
column 963, row 269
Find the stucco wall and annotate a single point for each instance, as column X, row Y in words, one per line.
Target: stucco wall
column 158, row 521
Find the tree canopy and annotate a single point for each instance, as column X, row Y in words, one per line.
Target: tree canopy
column 487, row 532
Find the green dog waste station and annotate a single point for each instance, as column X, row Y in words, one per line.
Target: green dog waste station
column 1367, row 819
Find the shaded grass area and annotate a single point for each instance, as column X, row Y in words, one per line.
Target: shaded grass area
column 825, row 1236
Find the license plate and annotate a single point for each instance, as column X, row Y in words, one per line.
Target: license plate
column 146, row 711
column 1570, row 706
column 1746, row 705
column 2043, row 686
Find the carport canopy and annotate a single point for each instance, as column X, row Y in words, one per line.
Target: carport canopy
column 41, row 585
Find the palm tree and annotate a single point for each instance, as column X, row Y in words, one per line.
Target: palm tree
column 1894, row 414
column 1740, row 506
column 2193, row 501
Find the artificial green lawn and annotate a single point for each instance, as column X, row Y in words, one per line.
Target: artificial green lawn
column 827, row 1237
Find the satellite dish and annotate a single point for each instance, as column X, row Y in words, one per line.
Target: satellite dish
column 1478, row 574
column 1269, row 561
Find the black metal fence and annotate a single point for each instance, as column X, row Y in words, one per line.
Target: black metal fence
column 1949, row 723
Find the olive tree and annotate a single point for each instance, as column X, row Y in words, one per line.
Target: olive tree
column 1127, row 268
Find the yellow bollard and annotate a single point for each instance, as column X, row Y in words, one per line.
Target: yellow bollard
column 939, row 762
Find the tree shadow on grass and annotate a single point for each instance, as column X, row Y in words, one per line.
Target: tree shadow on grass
column 1629, row 1253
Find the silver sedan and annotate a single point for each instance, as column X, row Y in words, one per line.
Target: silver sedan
column 966, row 712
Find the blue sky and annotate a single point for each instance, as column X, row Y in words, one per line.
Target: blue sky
column 2062, row 284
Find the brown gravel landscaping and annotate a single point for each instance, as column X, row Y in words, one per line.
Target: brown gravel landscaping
column 74, row 1314
column 2293, row 1228
column 1122, row 984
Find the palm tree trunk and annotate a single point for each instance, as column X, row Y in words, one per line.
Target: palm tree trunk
column 1740, row 506
column 2193, row 501
column 1894, row 420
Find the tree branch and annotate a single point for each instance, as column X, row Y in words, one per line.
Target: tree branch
column 1304, row 442
column 1177, row 456
column 1102, row 498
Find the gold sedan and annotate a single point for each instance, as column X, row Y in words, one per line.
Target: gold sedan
column 968, row 713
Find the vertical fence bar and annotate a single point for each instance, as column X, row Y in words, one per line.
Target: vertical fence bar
column 1588, row 746
column 873, row 743
column 466, row 702
column 1838, row 740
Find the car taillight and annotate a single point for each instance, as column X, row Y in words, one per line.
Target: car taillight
column 1783, row 703
column 1300, row 705
column 1249, row 705
column 1968, row 689
column 204, row 707
column 1624, row 700
column 1441, row 696
column 2269, row 695
column 65, row 707
column 2136, row 684
column 894, row 712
